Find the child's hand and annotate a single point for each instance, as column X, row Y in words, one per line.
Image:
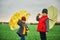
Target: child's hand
column 28, row 31
column 46, row 32
column 27, row 28
column 38, row 14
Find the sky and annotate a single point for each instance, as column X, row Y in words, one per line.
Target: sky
column 9, row 7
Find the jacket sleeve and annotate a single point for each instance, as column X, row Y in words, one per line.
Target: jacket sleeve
column 37, row 18
column 27, row 26
column 47, row 25
column 19, row 23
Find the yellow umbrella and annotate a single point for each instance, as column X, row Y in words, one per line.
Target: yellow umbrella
column 52, row 13
column 17, row 16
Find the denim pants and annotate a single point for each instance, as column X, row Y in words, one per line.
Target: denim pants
column 22, row 37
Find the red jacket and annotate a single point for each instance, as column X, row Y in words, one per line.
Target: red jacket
column 42, row 24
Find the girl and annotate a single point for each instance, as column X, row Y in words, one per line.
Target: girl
column 43, row 24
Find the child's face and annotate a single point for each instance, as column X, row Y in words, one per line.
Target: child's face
column 23, row 21
column 44, row 14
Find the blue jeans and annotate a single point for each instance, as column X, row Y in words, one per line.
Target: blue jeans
column 22, row 37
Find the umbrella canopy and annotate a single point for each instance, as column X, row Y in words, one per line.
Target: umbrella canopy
column 52, row 13
column 17, row 16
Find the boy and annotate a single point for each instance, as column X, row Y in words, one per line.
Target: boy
column 43, row 24
column 23, row 28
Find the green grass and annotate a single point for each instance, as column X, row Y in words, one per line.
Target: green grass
column 7, row 34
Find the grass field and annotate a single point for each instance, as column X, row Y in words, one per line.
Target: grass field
column 7, row 34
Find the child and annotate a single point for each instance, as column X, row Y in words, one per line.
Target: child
column 43, row 24
column 23, row 28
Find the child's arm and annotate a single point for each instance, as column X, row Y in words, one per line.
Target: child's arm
column 27, row 27
column 19, row 23
column 47, row 25
column 51, row 19
column 37, row 18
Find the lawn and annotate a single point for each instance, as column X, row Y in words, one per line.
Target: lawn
column 7, row 34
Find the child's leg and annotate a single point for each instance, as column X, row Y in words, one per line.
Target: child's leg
column 22, row 37
column 43, row 35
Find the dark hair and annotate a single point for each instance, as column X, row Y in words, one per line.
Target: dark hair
column 23, row 18
column 45, row 11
